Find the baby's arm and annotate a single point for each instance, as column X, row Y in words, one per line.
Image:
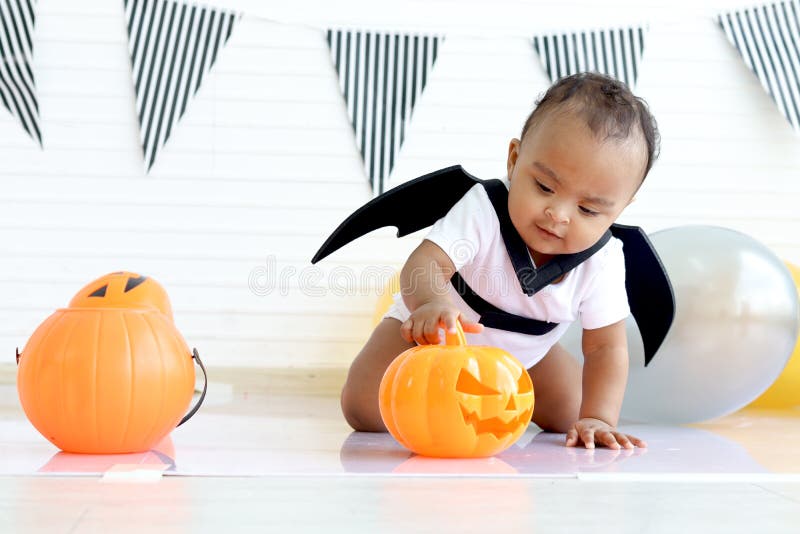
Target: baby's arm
column 424, row 283
column 605, row 373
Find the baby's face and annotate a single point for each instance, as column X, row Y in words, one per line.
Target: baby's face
column 567, row 187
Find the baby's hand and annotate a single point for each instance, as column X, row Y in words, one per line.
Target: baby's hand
column 589, row 430
column 424, row 324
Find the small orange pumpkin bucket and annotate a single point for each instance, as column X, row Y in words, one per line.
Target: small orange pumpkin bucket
column 107, row 379
column 456, row 400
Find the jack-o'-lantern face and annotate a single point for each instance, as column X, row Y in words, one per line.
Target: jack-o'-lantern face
column 123, row 289
column 456, row 400
column 491, row 408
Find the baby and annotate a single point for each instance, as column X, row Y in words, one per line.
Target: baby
column 582, row 155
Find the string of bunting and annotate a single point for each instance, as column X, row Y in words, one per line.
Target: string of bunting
column 17, row 85
column 174, row 44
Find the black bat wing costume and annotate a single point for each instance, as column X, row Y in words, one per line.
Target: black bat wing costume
column 419, row 203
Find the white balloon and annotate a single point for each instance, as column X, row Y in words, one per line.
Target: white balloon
column 736, row 323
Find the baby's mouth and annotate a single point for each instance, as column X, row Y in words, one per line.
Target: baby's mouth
column 548, row 232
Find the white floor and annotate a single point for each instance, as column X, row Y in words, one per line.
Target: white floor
column 261, row 458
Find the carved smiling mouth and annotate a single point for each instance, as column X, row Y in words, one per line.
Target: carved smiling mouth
column 494, row 425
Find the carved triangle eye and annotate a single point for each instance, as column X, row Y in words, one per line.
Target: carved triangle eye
column 133, row 282
column 99, row 292
column 469, row 384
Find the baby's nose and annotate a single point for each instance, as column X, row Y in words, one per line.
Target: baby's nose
column 558, row 215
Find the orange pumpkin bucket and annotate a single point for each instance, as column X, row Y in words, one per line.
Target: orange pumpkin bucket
column 107, row 380
column 456, row 400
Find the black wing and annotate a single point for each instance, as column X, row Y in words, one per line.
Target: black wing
column 650, row 294
column 411, row 206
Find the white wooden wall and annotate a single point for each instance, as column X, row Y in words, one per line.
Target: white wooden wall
column 264, row 165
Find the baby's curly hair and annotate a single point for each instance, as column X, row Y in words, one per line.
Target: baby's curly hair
column 610, row 108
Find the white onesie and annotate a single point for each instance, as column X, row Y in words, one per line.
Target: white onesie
column 470, row 235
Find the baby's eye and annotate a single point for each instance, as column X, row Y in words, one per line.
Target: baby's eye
column 587, row 211
column 543, row 187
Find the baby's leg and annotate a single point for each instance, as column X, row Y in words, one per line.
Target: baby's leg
column 557, row 390
column 360, row 392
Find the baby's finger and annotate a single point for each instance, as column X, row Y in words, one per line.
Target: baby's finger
column 431, row 332
column 608, row 439
column 406, row 330
column 587, row 436
column 470, row 327
column 623, row 440
column 638, row 442
column 572, row 438
column 418, row 332
column 449, row 319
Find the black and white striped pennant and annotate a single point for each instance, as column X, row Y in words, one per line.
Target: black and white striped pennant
column 768, row 39
column 17, row 87
column 172, row 46
column 382, row 76
column 613, row 52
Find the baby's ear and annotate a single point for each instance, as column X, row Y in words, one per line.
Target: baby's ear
column 513, row 154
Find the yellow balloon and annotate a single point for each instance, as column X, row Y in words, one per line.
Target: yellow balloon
column 785, row 391
column 385, row 299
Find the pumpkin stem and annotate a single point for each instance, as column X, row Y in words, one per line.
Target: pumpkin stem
column 456, row 338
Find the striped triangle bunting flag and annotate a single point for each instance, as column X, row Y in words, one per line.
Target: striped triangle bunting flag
column 382, row 76
column 613, row 52
column 17, row 87
column 173, row 45
column 768, row 39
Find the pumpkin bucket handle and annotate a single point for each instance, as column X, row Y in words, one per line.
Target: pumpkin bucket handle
column 456, row 338
column 18, row 355
column 196, row 357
